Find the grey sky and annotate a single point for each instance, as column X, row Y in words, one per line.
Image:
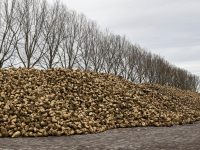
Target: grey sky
column 165, row 27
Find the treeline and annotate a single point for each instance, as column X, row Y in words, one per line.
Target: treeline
column 34, row 33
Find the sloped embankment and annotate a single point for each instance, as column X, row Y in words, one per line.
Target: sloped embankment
column 66, row 101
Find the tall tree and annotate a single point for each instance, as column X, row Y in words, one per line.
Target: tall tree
column 73, row 39
column 53, row 34
column 9, row 28
column 97, row 53
column 31, row 17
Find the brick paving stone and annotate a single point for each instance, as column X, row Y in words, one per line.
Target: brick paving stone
column 178, row 137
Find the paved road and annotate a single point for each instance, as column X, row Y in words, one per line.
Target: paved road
column 182, row 137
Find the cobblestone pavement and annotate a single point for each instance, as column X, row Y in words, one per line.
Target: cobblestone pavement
column 181, row 137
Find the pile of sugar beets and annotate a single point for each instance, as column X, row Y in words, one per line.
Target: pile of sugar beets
column 59, row 101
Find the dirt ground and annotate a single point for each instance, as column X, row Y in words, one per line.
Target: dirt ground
column 180, row 137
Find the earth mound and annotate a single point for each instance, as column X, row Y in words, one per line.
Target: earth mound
column 61, row 101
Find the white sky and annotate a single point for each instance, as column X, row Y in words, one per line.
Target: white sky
column 170, row 28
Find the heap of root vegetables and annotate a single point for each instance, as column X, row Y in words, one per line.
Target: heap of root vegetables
column 61, row 101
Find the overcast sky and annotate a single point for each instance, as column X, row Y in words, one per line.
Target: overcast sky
column 170, row 28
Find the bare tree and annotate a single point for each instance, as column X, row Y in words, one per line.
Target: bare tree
column 53, row 34
column 31, row 17
column 132, row 54
column 150, row 68
column 196, row 83
column 97, row 53
column 87, row 46
column 109, row 51
column 119, row 45
column 8, row 30
column 126, row 57
column 73, row 40
column 39, row 34
column 139, row 67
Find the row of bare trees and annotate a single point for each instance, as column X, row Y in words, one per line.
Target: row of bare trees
column 34, row 33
